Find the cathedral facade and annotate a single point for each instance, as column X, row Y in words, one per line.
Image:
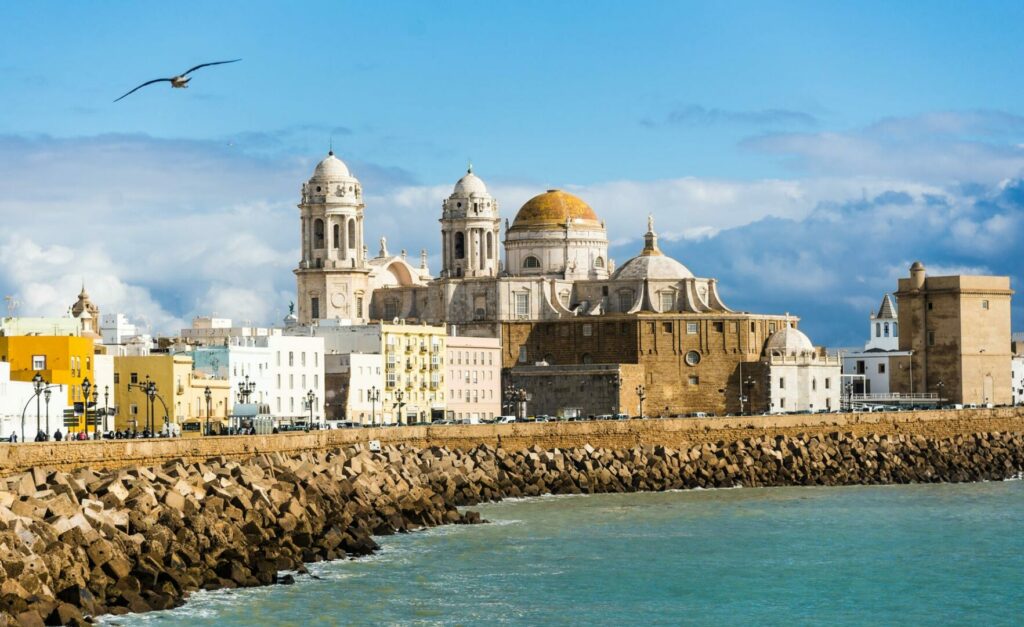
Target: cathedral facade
column 556, row 263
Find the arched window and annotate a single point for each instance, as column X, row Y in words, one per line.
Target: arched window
column 490, row 245
column 625, row 300
column 318, row 233
column 886, row 329
column 337, row 235
column 878, row 329
column 351, row 233
column 460, row 245
column 599, row 262
column 531, row 262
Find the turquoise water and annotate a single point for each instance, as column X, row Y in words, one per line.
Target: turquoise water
column 931, row 554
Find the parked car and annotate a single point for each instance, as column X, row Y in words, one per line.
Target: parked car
column 505, row 420
column 622, row 416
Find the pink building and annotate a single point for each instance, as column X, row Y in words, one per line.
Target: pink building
column 474, row 378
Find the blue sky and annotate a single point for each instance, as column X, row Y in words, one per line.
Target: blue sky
column 802, row 153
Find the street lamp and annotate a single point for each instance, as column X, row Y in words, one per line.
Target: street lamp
column 209, row 400
column 86, row 388
column 641, row 394
column 46, row 395
column 517, row 398
column 399, row 403
column 39, row 385
column 310, row 400
column 246, row 388
column 374, row 397
column 749, row 383
column 151, row 394
column 106, row 406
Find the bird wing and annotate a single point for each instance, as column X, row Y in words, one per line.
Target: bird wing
column 206, row 64
column 155, row 80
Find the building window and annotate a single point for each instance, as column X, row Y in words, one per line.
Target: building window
column 666, row 327
column 720, row 327
column 117, row 378
column 878, row 329
column 814, row 385
column 828, row 384
column 691, row 328
column 625, row 300
column 39, row 362
column 984, row 304
column 929, row 306
column 599, row 262
column 782, row 383
column 881, row 368
column 886, row 329
column 588, row 330
column 895, row 329
column 694, row 380
column 782, row 403
column 302, row 359
column 390, row 310
column 314, row 308
column 318, row 233
column 692, row 358
column 351, row 233
column 523, row 305
column 931, row 338
column 668, row 301
column 337, row 235
column 460, row 245
column 291, row 358
column 522, row 354
column 531, row 262
column 359, row 306
column 771, row 327
column 753, row 327
column 134, row 378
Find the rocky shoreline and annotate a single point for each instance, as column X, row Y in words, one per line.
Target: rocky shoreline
column 84, row 543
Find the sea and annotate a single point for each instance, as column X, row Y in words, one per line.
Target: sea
column 869, row 555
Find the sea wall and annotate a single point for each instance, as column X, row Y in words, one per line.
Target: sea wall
column 676, row 433
column 87, row 542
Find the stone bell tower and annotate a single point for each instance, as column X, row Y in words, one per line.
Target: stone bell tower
column 332, row 273
column 470, row 229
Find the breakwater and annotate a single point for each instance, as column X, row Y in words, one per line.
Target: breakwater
column 675, row 433
column 88, row 542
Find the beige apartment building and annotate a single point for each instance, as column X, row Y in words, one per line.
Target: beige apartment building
column 957, row 332
column 474, row 378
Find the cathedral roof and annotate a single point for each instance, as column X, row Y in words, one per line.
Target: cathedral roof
column 651, row 263
column 887, row 309
column 331, row 168
column 789, row 341
column 470, row 184
column 552, row 209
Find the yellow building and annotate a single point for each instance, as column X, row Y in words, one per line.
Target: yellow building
column 60, row 360
column 179, row 397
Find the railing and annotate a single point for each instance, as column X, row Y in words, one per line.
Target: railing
column 896, row 396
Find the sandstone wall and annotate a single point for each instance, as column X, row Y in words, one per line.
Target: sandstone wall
column 676, row 433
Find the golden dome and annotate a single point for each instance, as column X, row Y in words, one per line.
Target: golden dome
column 552, row 209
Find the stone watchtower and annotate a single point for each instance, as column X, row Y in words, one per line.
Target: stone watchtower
column 957, row 329
column 332, row 273
column 470, row 229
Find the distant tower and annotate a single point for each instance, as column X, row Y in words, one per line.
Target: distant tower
column 332, row 273
column 470, row 229
column 885, row 328
column 88, row 313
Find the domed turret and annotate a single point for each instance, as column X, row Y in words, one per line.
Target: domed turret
column 331, row 168
column 557, row 234
column 789, row 341
column 470, row 229
column 917, row 275
column 651, row 263
column 552, row 210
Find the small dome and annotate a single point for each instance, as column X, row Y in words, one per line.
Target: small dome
column 789, row 341
column 469, row 185
column 331, row 168
column 656, row 267
column 552, row 209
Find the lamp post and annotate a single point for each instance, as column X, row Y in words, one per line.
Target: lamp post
column 106, row 406
column 310, row 400
column 374, row 397
column 641, row 394
column 46, row 395
column 39, row 385
column 151, row 395
column 399, row 403
column 517, row 398
column 208, row 394
column 246, row 388
column 748, row 383
column 939, row 387
column 86, row 388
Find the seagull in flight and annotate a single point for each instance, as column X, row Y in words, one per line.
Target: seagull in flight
column 180, row 81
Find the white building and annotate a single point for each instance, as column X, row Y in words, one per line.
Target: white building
column 12, row 326
column 1017, row 368
column 474, row 377
column 14, row 397
column 355, row 391
column 283, row 370
column 802, row 377
column 870, row 369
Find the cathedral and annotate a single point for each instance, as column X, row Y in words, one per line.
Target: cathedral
column 556, row 263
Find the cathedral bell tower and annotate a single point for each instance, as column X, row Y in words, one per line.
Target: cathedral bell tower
column 332, row 273
column 470, row 229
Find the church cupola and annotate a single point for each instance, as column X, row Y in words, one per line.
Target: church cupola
column 470, row 229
